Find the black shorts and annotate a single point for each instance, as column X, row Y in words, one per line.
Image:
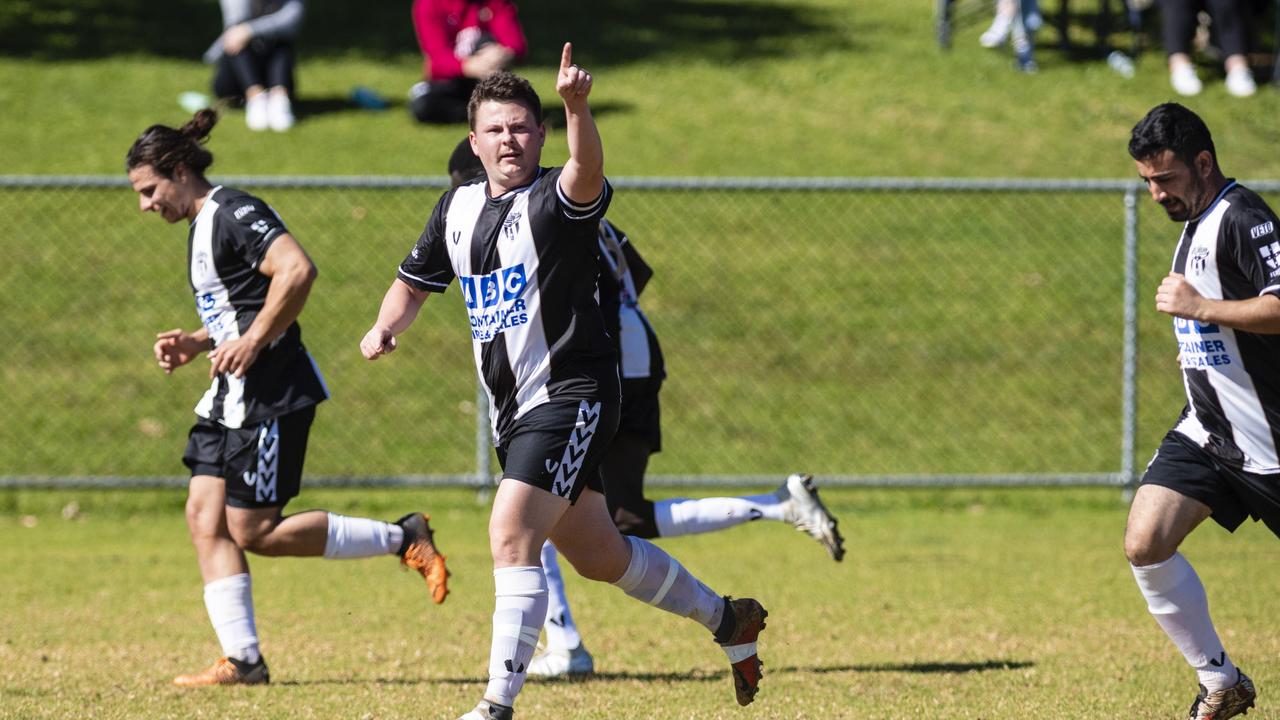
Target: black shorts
column 558, row 446
column 1231, row 493
column 261, row 464
column 640, row 412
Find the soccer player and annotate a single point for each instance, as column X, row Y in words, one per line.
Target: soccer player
column 251, row 279
column 1220, row 460
column 623, row 276
column 521, row 243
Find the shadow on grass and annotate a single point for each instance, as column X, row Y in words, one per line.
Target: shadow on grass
column 614, row 32
column 926, row 668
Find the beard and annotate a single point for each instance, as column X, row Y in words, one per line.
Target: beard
column 1182, row 209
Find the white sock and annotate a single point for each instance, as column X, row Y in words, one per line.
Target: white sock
column 682, row 516
column 519, row 608
column 1175, row 596
column 353, row 537
column 656, row 578
column 562, row 631
column 229, row 601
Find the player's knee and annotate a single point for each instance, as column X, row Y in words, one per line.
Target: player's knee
column 254, row 538
column 1145, row 548
column 203, row 519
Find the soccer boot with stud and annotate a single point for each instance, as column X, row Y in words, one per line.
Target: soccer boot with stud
column 1224, row 703
column 561, row 663
column 419, row 553
column 489, row 711
column 740, row 646
column 807, row 513
column 227, row 671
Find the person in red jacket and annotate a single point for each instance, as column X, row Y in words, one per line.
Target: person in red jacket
column 462, row 41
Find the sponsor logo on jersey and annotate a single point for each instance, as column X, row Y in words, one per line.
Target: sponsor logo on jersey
column 1271, row 255
column 1265, row 228
column 243, row 210
column 494, row 302
column 1196, row 346
column 1199, row 259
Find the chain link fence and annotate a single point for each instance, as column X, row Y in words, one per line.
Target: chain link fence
column 868, row 331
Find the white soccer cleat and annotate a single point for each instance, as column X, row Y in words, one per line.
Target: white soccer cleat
column 562, row 663
column 489, row 711
column 807, row 513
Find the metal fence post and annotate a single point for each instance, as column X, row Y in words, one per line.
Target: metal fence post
column 1130, row 384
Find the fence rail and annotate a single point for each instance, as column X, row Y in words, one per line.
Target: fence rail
column 877, row 331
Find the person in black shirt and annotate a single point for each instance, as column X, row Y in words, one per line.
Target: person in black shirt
column 521, row 243
column 250, row 279
column 1220, row 459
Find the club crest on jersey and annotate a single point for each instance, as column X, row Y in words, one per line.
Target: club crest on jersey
column 260, row 226
column 511, row 225
column 494, row 301
column 1199, row 259
column 1271, row 255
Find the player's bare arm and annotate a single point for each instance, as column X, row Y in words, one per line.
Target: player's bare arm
column 1177, row 297
column 582, row 179
column 400, row 307
column 292, row 274
column 177, row 347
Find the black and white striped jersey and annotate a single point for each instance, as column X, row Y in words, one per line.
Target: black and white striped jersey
column 526, row 262
column 1232, row 377
column 228, row 238
column 623, row 276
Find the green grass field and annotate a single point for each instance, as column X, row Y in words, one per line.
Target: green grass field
column 950, row 604
column 884, row 350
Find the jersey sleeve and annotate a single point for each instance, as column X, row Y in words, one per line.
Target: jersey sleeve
column 549, row 200
column 251, row 228
column 427, row 265
column 1252, row 239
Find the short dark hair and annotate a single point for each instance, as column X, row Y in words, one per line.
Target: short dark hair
column 1171, row 127
column 165, row 148
column 504, row 86
column 464, row 165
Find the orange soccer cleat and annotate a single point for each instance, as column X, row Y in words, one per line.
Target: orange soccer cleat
column 420, row 554
column 227, row 672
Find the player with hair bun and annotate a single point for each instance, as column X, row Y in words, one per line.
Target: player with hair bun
column 251, row 279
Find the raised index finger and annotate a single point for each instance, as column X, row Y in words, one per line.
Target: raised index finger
column 566, row 56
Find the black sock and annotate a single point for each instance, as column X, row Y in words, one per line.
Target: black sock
column 728, row 624
column 243, row 666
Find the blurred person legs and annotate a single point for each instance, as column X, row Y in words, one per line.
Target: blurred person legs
column 998, row 33
column 1022, row 35
column 443, row 102
column 263, row 75
column 1230, row 29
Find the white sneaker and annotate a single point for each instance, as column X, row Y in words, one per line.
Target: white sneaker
column 1240, row 82
column 559, row 663
column 807, row 513
column 255, row 112
column 996, row 34
column 1184, row 80
column 279, row 112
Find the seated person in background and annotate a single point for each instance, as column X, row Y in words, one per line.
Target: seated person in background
column 255, row 59
column 462, row 41
column 1230, row 22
